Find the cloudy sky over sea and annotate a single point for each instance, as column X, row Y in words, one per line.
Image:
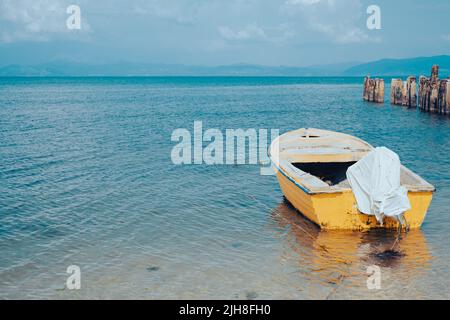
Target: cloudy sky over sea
column 213, row 32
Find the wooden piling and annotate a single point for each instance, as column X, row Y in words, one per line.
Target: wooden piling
column 434, row 73
column 373, row 90
column 433, row 94
column 366, row 89
column 411, row 92
column 423, row 82
column 447, row 96
column 379, row 91
column 434, row 87
column 444, row 97
column 404, row 93
column 396, row 91
column 429, row 91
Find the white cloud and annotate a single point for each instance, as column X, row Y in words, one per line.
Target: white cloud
column 251, row 31
column 303, row 2
column 344, row 35
column 180, row 11
column 254, row 32
column 341, row 21
column 446, row 37
column 36, row 20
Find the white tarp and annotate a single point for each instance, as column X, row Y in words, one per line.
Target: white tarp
column 375, row 182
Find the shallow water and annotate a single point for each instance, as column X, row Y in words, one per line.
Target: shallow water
column 86, row 179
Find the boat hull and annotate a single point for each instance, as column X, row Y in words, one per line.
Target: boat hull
column 338, row 211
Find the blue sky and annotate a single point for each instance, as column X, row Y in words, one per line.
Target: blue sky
column 217, row 32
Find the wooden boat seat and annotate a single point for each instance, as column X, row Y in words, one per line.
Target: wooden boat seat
column 303, row 178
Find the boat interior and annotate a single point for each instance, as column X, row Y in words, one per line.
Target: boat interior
column 332, row 173
column 318, row 160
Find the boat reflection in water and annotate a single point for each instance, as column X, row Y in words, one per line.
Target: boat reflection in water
column 335, row 263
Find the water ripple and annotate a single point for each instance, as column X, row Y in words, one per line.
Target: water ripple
column 86, row 179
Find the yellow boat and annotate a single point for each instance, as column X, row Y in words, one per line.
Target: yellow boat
column 311, row 166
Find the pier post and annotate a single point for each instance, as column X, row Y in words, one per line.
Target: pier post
column 434, row 89
column 433, row 94
column 443, row 102
column 404, row 93
column 422, row 92
column 426, row 90
column 373, row 90
column 396, row 91
column 435, row 72
column 411, row 92
column 447, row 97
column 366, row 88
column 434, row 97
column 379, row 91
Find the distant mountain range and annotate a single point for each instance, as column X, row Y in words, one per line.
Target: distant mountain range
column 134, row 69
column 385, row 67
column 402, row 67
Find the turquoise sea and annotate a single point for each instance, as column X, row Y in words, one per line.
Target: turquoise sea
column 86, row 179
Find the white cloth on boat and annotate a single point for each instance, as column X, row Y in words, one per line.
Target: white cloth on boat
column 375, row 182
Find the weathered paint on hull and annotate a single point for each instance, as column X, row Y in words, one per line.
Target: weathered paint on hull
column 339, row 210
